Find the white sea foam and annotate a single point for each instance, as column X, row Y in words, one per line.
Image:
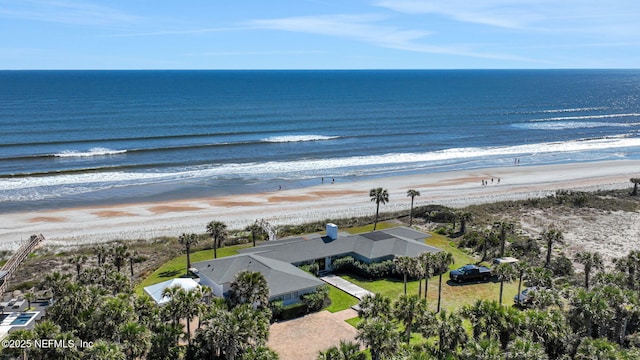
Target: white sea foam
column 96, row 151
column 574, row 109
column 562, row 125
column 18, row 189
column 585, row 117
column 298, row 138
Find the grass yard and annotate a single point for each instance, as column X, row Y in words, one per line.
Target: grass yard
column 177, row 267
column 454, row 295
column 340, row 300
column 368, row 228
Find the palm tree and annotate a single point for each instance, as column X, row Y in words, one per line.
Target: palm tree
column 441, row 266
column 505, row 228
column 29, row 296
column 521, row 268
column 163, row 342
column 190, row 306
column 451, row 333
column 78, row 261
column 188, row 240
column 590, row 309
column 373, row 306
column 487, row 240
column 347, row 350
column 464, row 218
column 255, row 229
column 403, row 265
column 540, row 277
column 406, row 308
column 173, row 306
column 104, row 350
column 635, row 182
column 551, row 236
column 504, row 272
column 232, row 332
column 135, row 340
column 485, row 349
column 56, row 282
column 101, row 254
column 597, row 349
column 548, row 328
column 119, row 253
column 630, row 267
column 525, row 349
column 589, row 260
column 379, row 335
column 249, row 287
column 378, row 195
column 427, row 259
column 218, row 231
column 412, row 194
column 134, row 258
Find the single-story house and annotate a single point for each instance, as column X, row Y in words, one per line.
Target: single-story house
column 155, row 291
column 277, row 260
column 286, row 282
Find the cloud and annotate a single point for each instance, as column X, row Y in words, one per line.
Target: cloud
column 66, row 12
column 544, row 16
column 499, row 13
column 367, row 28
column 256, row 53
column 360, row 27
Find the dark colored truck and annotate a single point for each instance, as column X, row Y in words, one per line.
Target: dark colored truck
column 470, row 272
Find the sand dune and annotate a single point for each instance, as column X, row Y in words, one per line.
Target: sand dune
column 81, row 226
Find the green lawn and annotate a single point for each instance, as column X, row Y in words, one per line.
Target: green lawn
column 368, row 228
column 454, row 296
column 340, row 300
column 177, row 267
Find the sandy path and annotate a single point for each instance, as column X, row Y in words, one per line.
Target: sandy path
column 80, row 226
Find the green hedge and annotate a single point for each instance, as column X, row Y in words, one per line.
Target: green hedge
column 376, row 270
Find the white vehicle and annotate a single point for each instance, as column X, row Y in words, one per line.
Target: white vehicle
column 505, row 260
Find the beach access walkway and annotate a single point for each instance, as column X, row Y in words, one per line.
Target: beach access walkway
column 346, row 286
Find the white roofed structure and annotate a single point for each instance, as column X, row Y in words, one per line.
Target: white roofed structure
column 155, row 291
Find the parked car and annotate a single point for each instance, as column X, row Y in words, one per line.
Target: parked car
column 470, row 272
column 505, row 260
column 524, row 298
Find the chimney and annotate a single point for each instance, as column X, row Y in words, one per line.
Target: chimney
column 332, row 231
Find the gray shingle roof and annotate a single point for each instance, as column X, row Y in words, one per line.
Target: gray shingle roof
column 373, row 245
column 274, row 259
column 282, row 277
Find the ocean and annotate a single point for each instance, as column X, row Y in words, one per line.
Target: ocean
column 80, row 138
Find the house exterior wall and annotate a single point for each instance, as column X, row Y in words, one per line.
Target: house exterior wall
column 292, row 297
column 216, row 289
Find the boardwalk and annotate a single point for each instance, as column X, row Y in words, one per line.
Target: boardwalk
column 18, row 257
column 346, row 286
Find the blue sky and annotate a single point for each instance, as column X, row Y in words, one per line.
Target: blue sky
column 319, row 34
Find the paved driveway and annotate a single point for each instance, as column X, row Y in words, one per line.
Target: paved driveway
column 303, row 338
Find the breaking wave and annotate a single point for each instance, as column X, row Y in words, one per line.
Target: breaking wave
column 97, row 151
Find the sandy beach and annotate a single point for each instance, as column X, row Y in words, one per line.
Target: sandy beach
column 83, row 226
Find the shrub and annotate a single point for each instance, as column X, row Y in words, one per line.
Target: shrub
column 312, row 268
column 377, row 270
column 562, row 266
column 527, row 248
column 316, row 300
column 277, row 308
